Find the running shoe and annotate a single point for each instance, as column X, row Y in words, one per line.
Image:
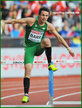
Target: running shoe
column 52, row 67
column 25, row 99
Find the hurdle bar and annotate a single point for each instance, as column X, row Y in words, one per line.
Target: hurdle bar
column 42, row 61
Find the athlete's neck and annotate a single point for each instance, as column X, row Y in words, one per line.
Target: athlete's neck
column 40, row 22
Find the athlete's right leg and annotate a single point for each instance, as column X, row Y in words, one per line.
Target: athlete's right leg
column 28, row 68
column 28, row 62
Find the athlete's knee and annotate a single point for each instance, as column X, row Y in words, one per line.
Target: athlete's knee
column 46, row 42
column 28, row 68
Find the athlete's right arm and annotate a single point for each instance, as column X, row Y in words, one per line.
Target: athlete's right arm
column 27, row 21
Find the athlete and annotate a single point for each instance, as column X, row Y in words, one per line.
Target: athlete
column 36, row 43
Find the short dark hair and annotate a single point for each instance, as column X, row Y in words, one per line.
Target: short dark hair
column 44, row 9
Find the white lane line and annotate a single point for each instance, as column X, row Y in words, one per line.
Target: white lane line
column 6, row 84
column 11, row 85
column 64, row 96
column 55, row 103
column 40, row 91
column 35, row 87
column 66, row 102
column 20, row 82
column 22, row 88
column 23, row 93
column 12, row 82
column 25, row 106
column 68, row 87
column 40, row 84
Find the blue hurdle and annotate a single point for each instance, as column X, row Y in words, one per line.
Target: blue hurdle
column 51, row 90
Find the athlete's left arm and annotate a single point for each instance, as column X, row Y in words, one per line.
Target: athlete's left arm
column 52, row 29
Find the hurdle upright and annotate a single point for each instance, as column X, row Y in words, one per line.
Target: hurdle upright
column 51, row 87
column 51, row 90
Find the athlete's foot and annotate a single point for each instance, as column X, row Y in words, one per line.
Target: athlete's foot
column 52, row 67
column 25, row 99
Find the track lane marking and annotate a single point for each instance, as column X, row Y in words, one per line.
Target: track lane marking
column 64, row 96
column 39, row 91
column 67, row 102
column 35, row 87
column 41, row 83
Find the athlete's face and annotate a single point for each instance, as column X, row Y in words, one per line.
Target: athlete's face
column 44, row 16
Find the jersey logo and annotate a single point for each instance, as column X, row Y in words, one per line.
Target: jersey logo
column 43, row 28
column 35, row 25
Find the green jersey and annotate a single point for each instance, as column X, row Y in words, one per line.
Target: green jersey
column 35, row 34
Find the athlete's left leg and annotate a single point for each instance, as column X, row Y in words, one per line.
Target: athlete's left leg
column 47, row 45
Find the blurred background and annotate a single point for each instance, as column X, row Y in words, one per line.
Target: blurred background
column 67, row 25
column 12, row 36
column 67, row 78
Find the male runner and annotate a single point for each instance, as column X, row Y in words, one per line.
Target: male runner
column 36, row 43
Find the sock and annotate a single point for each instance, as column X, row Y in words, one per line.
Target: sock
column 27, row 95
column 48, row 54
column 26, row 85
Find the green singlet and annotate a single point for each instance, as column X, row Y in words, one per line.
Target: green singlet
column 33, row 37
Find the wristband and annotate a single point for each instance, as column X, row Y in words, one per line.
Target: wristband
column 5, row 22
column 68, row 48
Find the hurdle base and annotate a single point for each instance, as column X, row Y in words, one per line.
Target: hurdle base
column 50, row 101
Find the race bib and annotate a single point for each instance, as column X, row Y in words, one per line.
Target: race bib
column 35, row 36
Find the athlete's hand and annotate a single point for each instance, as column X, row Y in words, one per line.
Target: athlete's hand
column 9, row 21
column 5, row 21
column 71, row 52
